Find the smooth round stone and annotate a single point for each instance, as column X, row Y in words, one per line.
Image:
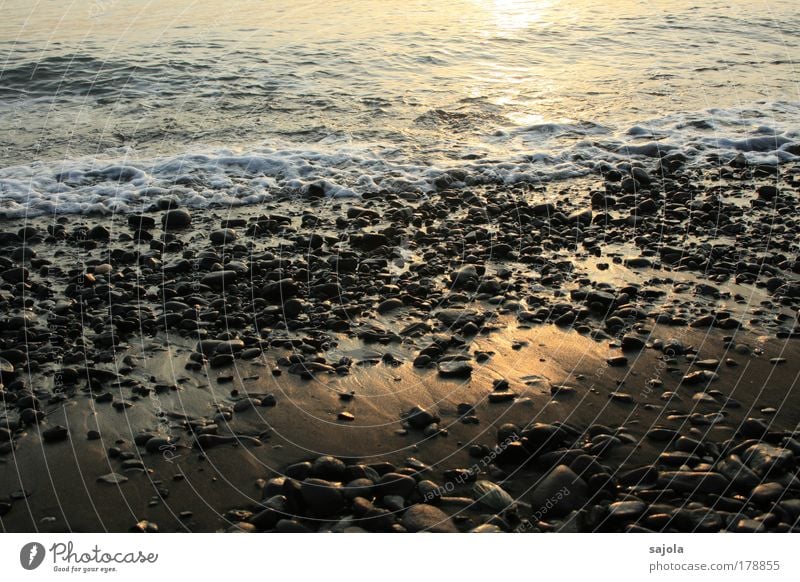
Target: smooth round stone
column 396, row 484
column 361, row 487
column 749, row 526
column 208, row 347
column 767, row 459
column 742, row 477
column 456, row 369
column 420, row 418
column 701, row 519
column 581, row 217
column 23, row 254
column 141, row 222
column 753, row 428
column 219, row 279
column 246, row 404
column 427, row 518
column 299, row 471
column 55, row 434
column 623, row 397
column 112, row 479
column 223, row 236
column 221, row 360
column 31, row 416
column 178, row 218
column 626, row 510
column 632, row 343
column 464, row 275
column 99, row 232
column 560, row 492
column 229, row 347
column 637, row 262
column 492, row 495
column 693, row 481
column 389, row 305
column 7, row 371
column 394, row 503
column 767, row 493
column 322, row 497
column 16, row 275
column 280, row 290
column 328, row 467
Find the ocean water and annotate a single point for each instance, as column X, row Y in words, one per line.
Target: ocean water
column 110, row 105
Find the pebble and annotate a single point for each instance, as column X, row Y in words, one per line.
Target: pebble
column 766, row 459
column 220, row 279
column 112, row 479
column 55, row 433
column 492, row 495
column 617, row 361
column 420, row 418
column 626, row 511
column 455, row 369
column 223, row 236
column 322, row 497
column 632, row 343
column 396, row 484
column 693, row 481
column 328, row 467
column 176, row 219
column 767, row 493
column 427, row 518
column 572, row 489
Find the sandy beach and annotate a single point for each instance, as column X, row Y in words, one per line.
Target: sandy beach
column 614, row 353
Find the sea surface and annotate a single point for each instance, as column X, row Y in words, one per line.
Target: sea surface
column 110, row 105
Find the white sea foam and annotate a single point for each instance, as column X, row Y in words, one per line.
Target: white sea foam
column 123, row 182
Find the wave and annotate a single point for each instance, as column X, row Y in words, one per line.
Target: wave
column 123, row 182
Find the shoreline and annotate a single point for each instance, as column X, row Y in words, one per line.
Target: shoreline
column 499, row 311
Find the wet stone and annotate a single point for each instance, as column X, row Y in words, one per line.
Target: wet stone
column 492, row 495
column 420, row 418
column 55, row 434
column 693, row 481
column 767, row 493
column 223, row 236
column 427, row 518
column 322, row 497
column 560, row 492
column 220, row 279
column 455, row 369
column 176, row 219
column 626, row 510
column 112, row 479
column 767, row 459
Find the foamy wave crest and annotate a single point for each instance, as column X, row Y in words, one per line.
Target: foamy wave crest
column 121, row 182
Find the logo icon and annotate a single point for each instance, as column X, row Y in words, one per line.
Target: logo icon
column 31, row 555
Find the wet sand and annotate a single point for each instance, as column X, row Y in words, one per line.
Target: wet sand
column 503, row 312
